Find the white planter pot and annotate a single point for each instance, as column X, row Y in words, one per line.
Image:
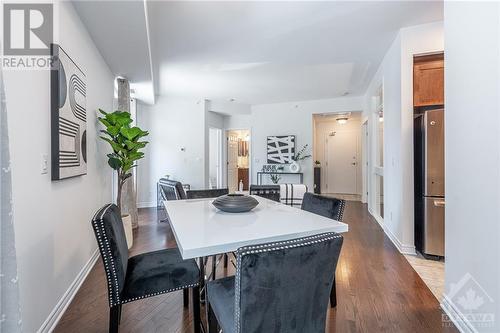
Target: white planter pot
column 127, row 225
column 294, row 167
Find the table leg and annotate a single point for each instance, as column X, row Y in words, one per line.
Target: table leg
column 202, row 278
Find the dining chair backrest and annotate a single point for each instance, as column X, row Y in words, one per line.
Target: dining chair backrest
column 110, row 235
column 202, row 194
column 172, row 189
column 325, row 206
column 285, row 286
column 271, row 192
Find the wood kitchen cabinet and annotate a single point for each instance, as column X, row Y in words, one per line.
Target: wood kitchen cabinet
column 243, row 175
column 428, row 80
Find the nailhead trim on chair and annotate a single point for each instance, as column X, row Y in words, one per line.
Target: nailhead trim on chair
column 341, row 211
column 268, row 248
column 107, row 258
column 159, row 293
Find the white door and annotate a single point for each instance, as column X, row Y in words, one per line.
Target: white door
column 341, row 157
column 232, row 163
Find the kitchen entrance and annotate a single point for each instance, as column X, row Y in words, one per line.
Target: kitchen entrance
column 238, row 160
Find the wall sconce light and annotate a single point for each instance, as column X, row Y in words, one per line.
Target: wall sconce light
column 342, row 120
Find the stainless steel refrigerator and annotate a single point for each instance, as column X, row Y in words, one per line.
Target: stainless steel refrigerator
column 429, row 183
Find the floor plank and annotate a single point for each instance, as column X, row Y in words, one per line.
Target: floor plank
column 377, row 289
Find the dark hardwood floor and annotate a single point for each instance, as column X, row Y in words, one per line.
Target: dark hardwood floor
column 377, row 290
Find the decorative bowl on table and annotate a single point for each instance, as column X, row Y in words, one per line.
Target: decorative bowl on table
column 235, row 203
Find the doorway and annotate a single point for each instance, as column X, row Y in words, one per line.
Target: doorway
column 238, row 160
column 214, row 157
column 341, row 161
column 337, row 152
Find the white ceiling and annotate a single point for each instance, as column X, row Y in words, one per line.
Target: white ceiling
column 254, row 52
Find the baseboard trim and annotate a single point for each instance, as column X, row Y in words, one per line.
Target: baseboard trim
column 378, row 219
column 146, row 204
column 50, row 323
column 459, row 320
column 402, row 248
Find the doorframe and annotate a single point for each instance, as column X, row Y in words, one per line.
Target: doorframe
column 374, row 169
column 365, row 141
column 225, row 148
column 219, row 155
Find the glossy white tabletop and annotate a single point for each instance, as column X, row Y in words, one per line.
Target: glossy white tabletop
column 202, row 230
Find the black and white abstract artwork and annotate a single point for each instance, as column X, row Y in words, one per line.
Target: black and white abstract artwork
column 68, row 117
column 280, row 149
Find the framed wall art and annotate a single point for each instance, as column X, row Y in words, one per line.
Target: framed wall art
column 280, row 149
column 68, row 116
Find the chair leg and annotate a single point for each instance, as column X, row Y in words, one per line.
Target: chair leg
column 114, row 319
column 119, row 314
column 225, row 260
column 196, row 310
column 185, row 294
column 211, row 320
column 333, row 295
column 214, row 262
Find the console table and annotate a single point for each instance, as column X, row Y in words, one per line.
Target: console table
column 260, row 173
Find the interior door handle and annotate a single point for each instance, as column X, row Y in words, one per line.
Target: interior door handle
column 439, row 203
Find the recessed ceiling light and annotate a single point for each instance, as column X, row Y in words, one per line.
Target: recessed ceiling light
column 232, row 99
column 345, row 93
column 342, row 120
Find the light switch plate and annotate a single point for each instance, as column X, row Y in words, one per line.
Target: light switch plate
column 44, row 166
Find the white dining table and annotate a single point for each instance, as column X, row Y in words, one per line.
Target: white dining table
column 201, row 230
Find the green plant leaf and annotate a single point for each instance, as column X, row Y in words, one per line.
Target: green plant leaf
column 116, row 147
column 114, row 163
column 131, row 145
column 124, row 120
column 131, row 133
column 104, row 122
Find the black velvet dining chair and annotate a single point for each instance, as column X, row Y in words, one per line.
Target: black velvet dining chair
column 169, row 189
column 279, row 287
column 328, row 207
column 325, row 206
column 141, row 276
column 271, row 192
column 202, row 194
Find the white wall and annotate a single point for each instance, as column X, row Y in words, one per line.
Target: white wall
column 173, row 123
column 396, row 75
column 294, row 118
column 472, row 119
column 54, row 238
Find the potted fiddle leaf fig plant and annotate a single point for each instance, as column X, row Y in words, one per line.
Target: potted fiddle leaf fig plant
column 126, row 143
